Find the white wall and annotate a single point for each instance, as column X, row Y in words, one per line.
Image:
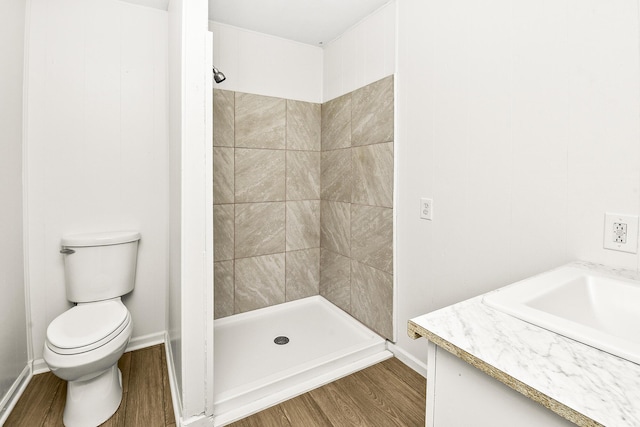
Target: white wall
column 190, row 304
column 272, row 66
column 521, row 120
column 266, row 65
column 13, row 321
column 97, row 148
column 174, row 288
column 363, row 54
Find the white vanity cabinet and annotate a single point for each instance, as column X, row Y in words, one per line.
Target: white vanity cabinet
column 460, row 395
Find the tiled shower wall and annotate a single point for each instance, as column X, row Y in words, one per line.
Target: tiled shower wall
column 356, row 237
column 266, row 184
column 303, row 199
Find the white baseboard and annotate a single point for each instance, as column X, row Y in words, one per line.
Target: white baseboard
column 135, row 343
column 406, row 358
column 15, row 391
column 198, row 421
column 39, row 366
column 175, row 396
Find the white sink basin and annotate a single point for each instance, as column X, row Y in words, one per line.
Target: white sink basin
column 594, row 308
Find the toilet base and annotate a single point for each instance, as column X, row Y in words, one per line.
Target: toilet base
column 92, row 402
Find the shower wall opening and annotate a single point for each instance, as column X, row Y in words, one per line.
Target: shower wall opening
column 303, row 209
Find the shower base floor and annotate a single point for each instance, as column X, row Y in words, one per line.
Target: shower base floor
column 252, row 373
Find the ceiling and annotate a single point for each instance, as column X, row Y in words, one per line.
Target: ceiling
column 314, row 22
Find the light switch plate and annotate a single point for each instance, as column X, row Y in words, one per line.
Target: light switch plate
column 621, row 232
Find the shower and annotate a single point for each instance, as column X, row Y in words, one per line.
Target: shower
column 218, row 76
column 298, row 186
column 291, row 311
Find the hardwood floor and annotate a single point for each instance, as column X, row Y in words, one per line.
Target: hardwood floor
column 386, row 394
column 146, row 397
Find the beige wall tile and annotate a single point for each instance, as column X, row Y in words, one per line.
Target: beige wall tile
column 372, row 113
column 372, row 298
column 223, row 175
column 336, row 175
column 303, row 175
column 335, row 229
column 302, row 273
column 223, row 118
column 223, row 289
column 335, row 278
column 303, row 125
column 260, row 229
column 223, row 230
column 260, row 282
column 336, row 123
column 303, row 224
column 373, row 175
column 259, row 175
column 353, row 177
column 372, row 236
column 259, row 121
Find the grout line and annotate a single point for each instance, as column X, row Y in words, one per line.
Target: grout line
column 286, row 188
column 233, row 298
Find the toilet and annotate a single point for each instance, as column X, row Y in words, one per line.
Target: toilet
column 83, row 344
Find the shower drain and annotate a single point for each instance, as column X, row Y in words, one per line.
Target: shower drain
column 281, row 340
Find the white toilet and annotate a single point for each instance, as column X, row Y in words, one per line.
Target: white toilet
column 84, row 343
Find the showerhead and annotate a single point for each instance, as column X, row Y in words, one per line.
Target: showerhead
column 218, row 76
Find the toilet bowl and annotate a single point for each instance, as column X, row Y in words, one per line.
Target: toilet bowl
column 83, row 344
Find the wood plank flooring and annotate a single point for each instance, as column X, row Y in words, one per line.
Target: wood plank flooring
column 386, row 394
column 146, row 397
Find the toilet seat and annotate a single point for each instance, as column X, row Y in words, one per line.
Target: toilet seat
column 86, row 327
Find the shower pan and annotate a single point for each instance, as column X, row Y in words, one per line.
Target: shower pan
column 269, row 355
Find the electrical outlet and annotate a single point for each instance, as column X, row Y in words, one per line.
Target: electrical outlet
column 426, row 208
column 621, row 232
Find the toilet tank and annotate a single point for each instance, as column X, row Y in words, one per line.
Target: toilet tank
column 99, row 266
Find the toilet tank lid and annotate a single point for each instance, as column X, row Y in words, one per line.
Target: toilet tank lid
column 100, row 239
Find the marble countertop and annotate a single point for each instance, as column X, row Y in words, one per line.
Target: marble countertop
column 584, row 385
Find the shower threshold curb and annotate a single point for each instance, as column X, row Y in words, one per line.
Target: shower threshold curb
column 299, row 388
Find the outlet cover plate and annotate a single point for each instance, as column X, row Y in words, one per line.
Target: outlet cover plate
column 621, row 232
column 426, row 208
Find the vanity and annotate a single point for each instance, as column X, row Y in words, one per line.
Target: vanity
column 557, row 349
